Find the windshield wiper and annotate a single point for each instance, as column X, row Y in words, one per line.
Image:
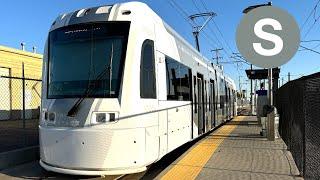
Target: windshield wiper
column 91, row 89
column 110, row 70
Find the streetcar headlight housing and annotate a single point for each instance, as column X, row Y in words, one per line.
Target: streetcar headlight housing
column 102, row 117
column 48, row 118
column 52, row 116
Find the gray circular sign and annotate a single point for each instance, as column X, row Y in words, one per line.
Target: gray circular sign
column 268, row 37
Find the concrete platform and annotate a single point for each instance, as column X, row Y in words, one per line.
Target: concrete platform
column 234, row 151
column 240, row 153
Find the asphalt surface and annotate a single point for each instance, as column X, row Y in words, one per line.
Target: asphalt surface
column 14, row 136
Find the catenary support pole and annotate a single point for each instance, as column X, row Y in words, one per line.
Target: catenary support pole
column 198, row 29
column 196, row 37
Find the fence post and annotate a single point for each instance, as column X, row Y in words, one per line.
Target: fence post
column 23, row 98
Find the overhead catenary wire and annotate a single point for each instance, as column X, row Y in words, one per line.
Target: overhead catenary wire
column 316, row 19
column 310, row 41
column 208, row 24
column 309, row 49
column 233, row 62
column 213, row 33
column 216, row 37
column 312, row 12
column 181, row 11
column 307, row 41
column 316, row 46
column 311, row 27
column 217, row 27
column 184, row 14
column 222, row 37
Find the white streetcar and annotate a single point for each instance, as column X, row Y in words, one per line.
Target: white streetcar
column 121, row 89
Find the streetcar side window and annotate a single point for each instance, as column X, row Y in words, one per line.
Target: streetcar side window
column 178, row 80
column 205, row 96
column 147, row 71
column 222, row 93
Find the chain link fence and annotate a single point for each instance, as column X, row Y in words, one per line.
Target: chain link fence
column 298, row 104
column 19, row 112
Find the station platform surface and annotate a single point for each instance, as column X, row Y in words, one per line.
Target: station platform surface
column 234, row 151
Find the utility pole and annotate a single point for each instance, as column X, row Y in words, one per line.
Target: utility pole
column 197, row 29
column 240, row 92
column 239, row 83
column 217, row 54
column 288, row 76
column 282, row 81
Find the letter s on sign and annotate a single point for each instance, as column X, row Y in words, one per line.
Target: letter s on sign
column 278, row 42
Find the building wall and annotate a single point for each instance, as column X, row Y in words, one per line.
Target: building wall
column 11, row 89
column 13, row 58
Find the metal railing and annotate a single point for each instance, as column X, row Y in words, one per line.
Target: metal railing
column 298, row 104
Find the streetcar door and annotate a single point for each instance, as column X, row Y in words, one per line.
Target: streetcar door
column 233, row 103
column 212, row 104
column 195, row 108
column 200, row 109
column 162, row 97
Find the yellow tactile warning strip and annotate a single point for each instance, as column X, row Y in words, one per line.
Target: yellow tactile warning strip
column 191, row 164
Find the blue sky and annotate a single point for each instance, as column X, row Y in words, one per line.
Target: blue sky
column 29, row 21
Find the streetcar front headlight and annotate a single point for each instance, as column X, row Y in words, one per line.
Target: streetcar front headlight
column 102, row 117
column 52, row 116
column 48, row 118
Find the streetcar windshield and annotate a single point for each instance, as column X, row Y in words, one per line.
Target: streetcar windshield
column 87, row 57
